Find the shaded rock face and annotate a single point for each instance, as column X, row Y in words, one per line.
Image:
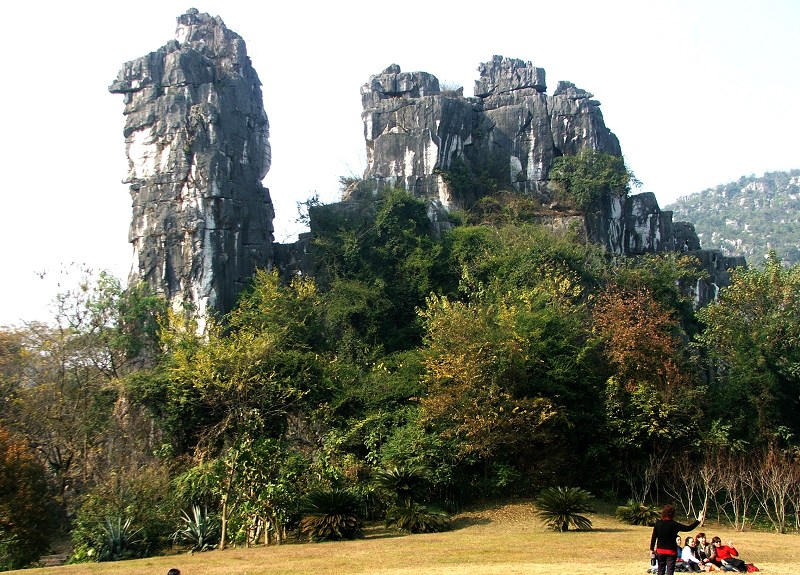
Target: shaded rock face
column 197, row 142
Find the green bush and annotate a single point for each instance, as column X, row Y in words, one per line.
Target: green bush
column 330, row 515
column 635, row 513
column 405, row 484
column 561, row 507
column 583, row 178
column 143, row 495
column 417, row 518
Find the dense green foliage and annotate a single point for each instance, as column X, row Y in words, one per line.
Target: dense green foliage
column 561, row 507
column 415, row 372
column 581, row 179
column 331, row 514
column 748, row 217
column 753, row 342
column 637, row 513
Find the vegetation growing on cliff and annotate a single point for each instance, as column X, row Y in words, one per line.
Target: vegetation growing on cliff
column 581, row 179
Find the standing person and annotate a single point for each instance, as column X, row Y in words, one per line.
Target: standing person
column 663, row 541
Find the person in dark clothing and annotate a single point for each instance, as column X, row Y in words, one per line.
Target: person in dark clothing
column 663, row 540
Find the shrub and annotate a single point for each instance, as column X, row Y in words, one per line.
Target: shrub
column 25, row 510
column 329, row 515
column 417, row 518
column 560, row 507
column 635, row 513
column 200, row 531
column 143, row 495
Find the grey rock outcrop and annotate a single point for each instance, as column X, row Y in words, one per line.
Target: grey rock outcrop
column 415, row 132
column 197, row 142
column 424, row 139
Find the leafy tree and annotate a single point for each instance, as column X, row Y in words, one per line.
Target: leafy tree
column 503, row 371
column 25, row 514
column 585, row 177
column 653, row 402
column 752, row 336
column 381, row 245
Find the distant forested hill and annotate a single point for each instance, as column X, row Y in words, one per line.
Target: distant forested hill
column 748, row 217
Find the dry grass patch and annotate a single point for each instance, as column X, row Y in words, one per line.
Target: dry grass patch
column 494, row 540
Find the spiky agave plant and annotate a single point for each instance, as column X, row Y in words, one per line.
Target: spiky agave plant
column 200, row 530
column 636, row 513
column 561, row 507
column 120, row 540
column 331, row 514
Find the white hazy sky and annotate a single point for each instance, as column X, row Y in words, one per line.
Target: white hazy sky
column 699, row 92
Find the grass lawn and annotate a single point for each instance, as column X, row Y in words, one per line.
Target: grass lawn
column 502, row 540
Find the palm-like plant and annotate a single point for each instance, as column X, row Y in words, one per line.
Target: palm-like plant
column 405, row 483
column 417, row 518
column 200, row 531
column 636, row 513
column 560, row 507
column 331, row 514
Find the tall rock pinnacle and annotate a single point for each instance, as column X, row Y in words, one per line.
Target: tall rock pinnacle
column 197, row 141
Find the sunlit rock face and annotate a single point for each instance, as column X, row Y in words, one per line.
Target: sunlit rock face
column 415, row 131
column 419, row 136
column 197, row 141
column 512, row 131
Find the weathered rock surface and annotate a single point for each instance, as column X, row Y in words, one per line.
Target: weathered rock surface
column 415, row 132
column 197, row 142
column 418, row 136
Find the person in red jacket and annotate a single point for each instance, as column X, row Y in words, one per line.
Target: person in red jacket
column 663, row 540
column 726, row 556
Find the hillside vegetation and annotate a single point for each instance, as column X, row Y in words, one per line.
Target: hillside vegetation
column 414, row 376
column 498, row 540
column 748, row 217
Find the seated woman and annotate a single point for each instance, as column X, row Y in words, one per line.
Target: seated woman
column 726, row 557
column 689, row 555
column 704, row 551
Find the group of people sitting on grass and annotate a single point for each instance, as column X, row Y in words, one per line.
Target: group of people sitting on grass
column 695, row 554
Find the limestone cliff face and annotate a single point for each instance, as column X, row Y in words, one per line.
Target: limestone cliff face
column 512, row 131
column 415, row 132
column 197, row 142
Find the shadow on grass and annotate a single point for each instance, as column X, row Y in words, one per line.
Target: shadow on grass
column 466, row 521
column 379, row 531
